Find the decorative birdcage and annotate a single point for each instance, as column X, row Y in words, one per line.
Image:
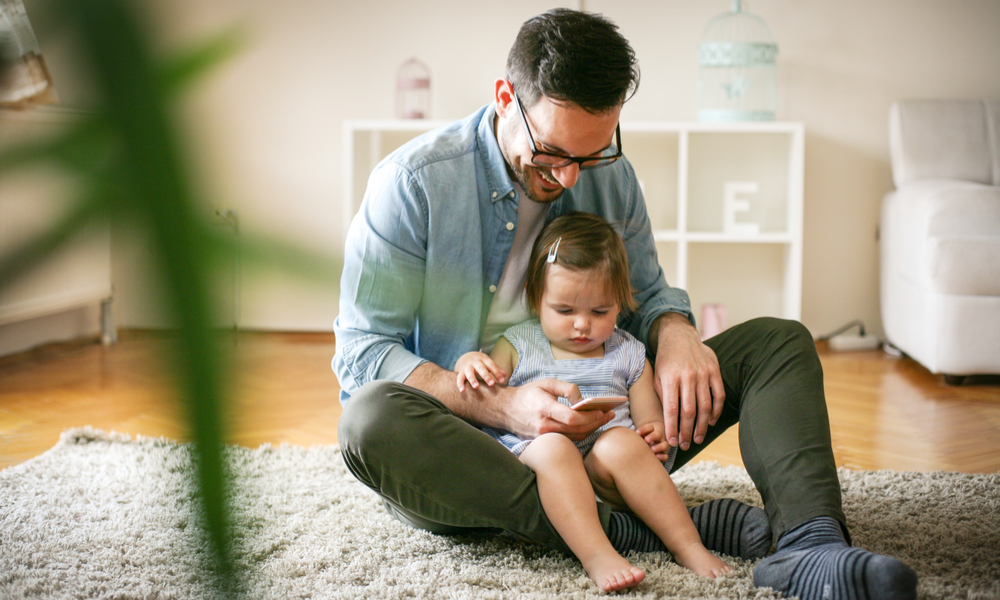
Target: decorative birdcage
column 413, row 90
column 737, row 75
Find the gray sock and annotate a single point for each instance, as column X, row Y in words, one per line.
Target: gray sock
column 725, row 525
column 814, row 562
column 730, row 527
column 627, row 533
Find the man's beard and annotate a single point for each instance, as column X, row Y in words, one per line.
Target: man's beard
column 520, row 173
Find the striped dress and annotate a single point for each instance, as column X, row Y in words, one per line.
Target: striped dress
column 613, row 375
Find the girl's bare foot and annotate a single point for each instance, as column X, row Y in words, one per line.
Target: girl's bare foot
column 702, row 562
column 614, row 573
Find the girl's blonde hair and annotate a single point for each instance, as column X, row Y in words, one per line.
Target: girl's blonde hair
column 585, row 242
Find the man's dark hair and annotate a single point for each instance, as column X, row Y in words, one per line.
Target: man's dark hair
column 572, row 56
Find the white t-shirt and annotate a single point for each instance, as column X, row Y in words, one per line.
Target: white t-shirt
column 510, row 303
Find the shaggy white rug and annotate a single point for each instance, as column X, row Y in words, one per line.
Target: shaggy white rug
column 102, row 516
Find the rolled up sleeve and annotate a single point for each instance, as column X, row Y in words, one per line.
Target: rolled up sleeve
column 382, row 282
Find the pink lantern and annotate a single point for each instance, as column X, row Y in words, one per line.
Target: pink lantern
column 413, row 90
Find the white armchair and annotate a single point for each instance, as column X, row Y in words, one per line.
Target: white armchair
column 940, row 235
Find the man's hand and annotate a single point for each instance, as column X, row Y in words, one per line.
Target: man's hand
column 688, row 380
column 528, row 411
column 534, row 410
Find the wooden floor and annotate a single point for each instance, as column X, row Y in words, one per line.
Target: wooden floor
column 886, row 412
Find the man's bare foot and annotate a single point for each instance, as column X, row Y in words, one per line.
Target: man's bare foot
column 702, row 562
column 614, row 573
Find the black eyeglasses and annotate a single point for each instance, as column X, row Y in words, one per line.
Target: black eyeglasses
column 555, row 161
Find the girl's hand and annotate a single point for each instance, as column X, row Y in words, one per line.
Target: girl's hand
column 473, row 366
column 654, row 434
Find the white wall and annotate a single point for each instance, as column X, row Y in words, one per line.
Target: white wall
column 268, row 125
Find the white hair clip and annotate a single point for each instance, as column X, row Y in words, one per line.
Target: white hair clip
column 553, row 251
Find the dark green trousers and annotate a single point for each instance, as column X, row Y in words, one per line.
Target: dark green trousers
column 436, row 472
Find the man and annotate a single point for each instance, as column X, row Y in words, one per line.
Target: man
column 435, row 266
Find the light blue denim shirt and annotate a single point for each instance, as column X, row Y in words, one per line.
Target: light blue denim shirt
column 426, row 250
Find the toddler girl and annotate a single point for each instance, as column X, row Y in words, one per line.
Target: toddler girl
column 577, row 285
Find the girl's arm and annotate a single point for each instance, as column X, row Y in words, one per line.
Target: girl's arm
column 647, row 413
column 493, row 369
column 504, row 355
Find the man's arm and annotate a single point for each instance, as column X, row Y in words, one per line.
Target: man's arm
column 688, row 379
column 382, row 282
column 527, row 411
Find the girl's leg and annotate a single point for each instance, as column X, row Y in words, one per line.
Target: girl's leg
column 623, row 470
column 568, row 500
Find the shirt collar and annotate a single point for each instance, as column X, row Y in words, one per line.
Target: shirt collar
column 500, row 184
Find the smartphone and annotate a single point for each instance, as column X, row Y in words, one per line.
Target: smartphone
column 604, row 404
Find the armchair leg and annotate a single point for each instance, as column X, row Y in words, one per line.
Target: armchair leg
column 109, row 333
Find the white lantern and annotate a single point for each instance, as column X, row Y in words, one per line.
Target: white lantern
column 737, row 76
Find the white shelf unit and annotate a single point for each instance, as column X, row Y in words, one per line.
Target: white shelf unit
column 683, row 169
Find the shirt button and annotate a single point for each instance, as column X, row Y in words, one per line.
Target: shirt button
column 510, row 227
column 493, row 289
column 512, row 194
column 494, row 194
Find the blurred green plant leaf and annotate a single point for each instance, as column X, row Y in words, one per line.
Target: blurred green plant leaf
column 182, row 70
column 147, row 171
column 127, row 158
